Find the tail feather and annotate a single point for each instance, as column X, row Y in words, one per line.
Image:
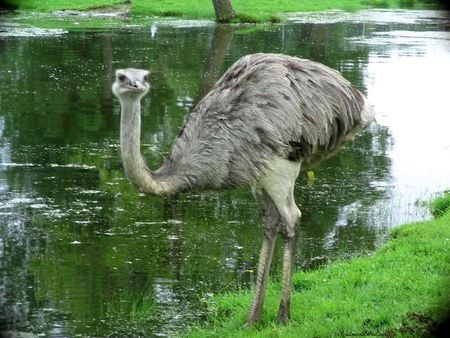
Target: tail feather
column 367, row 113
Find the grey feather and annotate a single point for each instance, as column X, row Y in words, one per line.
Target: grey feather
column 264, row 106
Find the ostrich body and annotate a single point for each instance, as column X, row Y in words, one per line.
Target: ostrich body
column 267, row 116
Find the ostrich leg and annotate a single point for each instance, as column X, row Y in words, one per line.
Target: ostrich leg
column 290, row 246
column 280, row 187
column 271, row 219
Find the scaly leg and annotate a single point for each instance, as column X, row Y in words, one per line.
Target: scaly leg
column 271, row 220
column 290, row 247
column 280, row 187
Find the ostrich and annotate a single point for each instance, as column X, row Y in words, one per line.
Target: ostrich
column 266, row 117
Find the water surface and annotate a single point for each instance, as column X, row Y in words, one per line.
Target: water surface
column 81, row 253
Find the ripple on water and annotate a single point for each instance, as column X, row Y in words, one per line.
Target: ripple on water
column 15, row 30
column 376, row 16
column 51, row 165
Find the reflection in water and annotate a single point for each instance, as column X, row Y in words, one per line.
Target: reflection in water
column 82, row 253
column 409, row 92
column 223, row 35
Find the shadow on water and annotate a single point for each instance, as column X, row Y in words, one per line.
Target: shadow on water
column 81, row 253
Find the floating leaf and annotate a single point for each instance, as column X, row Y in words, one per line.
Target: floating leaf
column 311, row 178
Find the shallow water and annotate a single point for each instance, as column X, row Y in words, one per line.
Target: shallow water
column 81, row 253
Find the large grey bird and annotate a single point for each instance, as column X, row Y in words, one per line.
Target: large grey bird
column 267, row 116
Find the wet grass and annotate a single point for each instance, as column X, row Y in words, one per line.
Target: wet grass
column 46, row 6
column 441, row 205
column 74, row 23
column 400, row 290
column 247, row 11
column 130, row 314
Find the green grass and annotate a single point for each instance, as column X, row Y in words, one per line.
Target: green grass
column 400, row 290
column 51, row 5
column 247, row 10
column 441, row 205
column 129, row 314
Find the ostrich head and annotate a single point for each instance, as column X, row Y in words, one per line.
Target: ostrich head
column 131, row 84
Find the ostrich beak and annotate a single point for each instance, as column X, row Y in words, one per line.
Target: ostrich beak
column 138, row 85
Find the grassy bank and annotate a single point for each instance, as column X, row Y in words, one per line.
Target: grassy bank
column 401, row 290
column 52, row 5
column 266, row 10
column 248, row 10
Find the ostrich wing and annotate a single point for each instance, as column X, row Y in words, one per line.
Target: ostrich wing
column 265, row 106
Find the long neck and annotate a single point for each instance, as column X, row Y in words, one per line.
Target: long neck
column 134, row 165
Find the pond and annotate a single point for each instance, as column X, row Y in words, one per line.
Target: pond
column 83, row 254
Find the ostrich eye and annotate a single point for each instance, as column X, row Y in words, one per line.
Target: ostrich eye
column 121, row 77
column 147, row 78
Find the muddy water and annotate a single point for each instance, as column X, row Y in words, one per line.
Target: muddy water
column 81, row 253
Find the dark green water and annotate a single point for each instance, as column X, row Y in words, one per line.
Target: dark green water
column 82, row 254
